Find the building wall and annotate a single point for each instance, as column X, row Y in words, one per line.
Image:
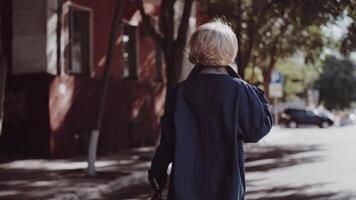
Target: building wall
column 29, row 36
column 26, row 123
column 67, row 105
column 130, row 118
column 133, row 107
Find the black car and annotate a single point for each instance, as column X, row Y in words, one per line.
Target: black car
column 295, row 117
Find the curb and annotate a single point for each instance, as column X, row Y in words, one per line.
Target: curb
column 103, row 189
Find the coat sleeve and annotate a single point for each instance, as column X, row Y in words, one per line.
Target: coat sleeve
column 164, row 152
column 254, row 117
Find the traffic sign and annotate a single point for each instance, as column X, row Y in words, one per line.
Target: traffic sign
column 276, row 84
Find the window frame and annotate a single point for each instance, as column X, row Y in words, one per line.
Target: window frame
column 67, row 42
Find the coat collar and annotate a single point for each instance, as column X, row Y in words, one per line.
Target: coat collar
column 199, row 67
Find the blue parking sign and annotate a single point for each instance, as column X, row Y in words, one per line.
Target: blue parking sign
column 276, row 84
column 276, row 78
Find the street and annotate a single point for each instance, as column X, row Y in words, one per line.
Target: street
column 293, row 164
column 304, row 163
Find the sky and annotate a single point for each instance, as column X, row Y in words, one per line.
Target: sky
column 337, row 31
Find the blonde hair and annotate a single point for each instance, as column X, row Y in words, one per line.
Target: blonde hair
column 213, row 43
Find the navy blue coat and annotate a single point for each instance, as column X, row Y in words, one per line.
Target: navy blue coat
column 207, row 118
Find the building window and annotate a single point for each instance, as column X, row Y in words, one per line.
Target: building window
column 79, row 52
column 129, row 51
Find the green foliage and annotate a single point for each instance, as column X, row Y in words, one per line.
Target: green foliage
column 253, row 75
column 278, row 28
column 298, row 78
column 349, row 41
column 337, row 83
column 271, row 30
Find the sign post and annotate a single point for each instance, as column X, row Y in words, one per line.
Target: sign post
column 276, row 91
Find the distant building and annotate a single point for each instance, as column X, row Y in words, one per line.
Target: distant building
column 51, row 104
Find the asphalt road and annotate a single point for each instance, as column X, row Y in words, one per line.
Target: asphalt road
column 304, row 163
column 293, row 164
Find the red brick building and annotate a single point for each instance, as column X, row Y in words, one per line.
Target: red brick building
column 53, row 84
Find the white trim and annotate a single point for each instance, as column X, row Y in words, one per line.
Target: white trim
column 67, row 4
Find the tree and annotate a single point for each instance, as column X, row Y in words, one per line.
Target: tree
column 94, row 137
column 3, row 72
column 349, row 41
column 298, row 78
column 173, row 47
column 299, row 30
column 275, row 29
column 337, row 83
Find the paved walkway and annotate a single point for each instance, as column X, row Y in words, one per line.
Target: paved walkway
column 67, row 179
column 307, row 163
column 121, row 176
column 289, row 164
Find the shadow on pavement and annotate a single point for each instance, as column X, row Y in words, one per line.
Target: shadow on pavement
column 25, row 178
column 19, row 181
column 297, row 193
column 39, row 184
column 144, row 192
column 262, row 158
column 267, row 158
column 137, row 192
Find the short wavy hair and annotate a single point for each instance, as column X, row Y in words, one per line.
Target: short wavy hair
column 213, row 43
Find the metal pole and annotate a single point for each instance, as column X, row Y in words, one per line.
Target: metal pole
column 3, row 72
column 95, row 134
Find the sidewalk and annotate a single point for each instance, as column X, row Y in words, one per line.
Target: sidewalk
column 287, row 164
column 60, row 179
column 121, row 176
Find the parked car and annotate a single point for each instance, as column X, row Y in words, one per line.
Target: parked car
column 348, row 119
column 294, row 117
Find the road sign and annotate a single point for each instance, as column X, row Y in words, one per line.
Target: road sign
column 276, row 85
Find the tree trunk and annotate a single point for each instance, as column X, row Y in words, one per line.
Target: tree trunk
column 170, row 70
column 175, row 55
column 274, row 56
column 3, row 72
column 59, row 33
column 172, row 48
column 267, row 72
column 104, row 88
column 266, row 80
column 239, row 58
column 174, row 66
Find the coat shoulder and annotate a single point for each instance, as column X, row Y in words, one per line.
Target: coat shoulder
column 239, row 83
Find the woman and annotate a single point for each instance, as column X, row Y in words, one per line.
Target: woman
column 207, row 118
